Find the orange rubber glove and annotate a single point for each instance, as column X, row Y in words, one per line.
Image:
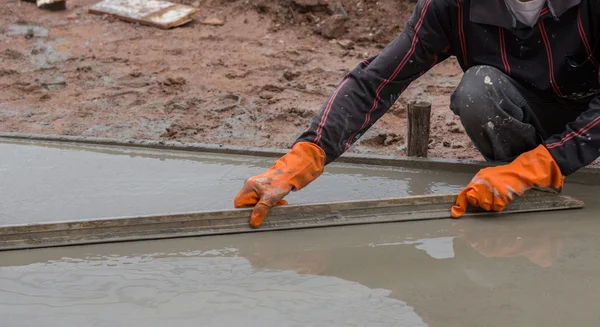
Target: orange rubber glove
column 494, row 188
column 295, row 170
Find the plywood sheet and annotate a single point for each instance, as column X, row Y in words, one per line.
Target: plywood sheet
column 162, row 14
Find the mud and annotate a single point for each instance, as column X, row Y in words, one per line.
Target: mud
column 44, row 183
column 116, row 79
column 521, row 270
column 74, row 73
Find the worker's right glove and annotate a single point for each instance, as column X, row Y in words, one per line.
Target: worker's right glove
column 493, row 188
column 295, row 170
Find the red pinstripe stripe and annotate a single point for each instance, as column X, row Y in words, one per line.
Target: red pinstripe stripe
column 461, row 32
column 584, row 39
column 398, row 69
column 594, row 122
column 503, row 51
column 550, row 60
column 572, row 135
column 544, row 11
column 330, row 104
column 327, row 109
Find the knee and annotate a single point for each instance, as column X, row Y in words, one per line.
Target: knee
column 478, row 89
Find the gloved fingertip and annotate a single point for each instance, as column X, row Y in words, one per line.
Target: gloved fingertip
column 498, row 207
column 258, row 215
column 246, row 198
column 238, row 203
column 472, row 198
column 244, row 202
column 256, row 221
column 460, row 207
column 457, row 212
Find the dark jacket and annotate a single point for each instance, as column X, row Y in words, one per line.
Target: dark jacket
column 557, row 58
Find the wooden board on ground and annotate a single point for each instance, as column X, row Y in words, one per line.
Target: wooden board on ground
column 281, row 218
column 161, row 14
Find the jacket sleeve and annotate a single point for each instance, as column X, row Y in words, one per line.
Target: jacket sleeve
column 579, row 144
column 372, row 87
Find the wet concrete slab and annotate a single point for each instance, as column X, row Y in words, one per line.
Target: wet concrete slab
column 518, row 270
column 45, row 182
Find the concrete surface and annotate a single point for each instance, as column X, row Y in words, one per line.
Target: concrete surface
column 47, row 182
column 521, row 270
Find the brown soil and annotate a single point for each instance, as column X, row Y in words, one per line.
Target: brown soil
column 257, row 80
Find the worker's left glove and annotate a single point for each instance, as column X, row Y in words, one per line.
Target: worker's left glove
column 493, row 188
column 303, row 164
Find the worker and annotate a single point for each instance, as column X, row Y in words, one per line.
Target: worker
column 528, row 98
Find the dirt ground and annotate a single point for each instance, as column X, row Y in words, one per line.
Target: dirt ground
column 256, row 80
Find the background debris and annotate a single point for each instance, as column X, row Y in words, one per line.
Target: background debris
column 52, row 4
column 213, row 21
column 158, row 13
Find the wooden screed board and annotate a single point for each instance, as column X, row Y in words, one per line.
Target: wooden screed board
column 281, row 218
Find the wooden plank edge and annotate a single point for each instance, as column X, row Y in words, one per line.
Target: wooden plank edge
column 28, row 241
column 236, row 213
column 310, row 208
column 156, row 237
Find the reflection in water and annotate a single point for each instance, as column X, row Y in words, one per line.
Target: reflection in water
column 444, row 273
column 188, row 289
column 494, row 239
column 437, row 248
column 262, row 280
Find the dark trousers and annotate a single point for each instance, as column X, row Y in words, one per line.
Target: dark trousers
column 505, row 119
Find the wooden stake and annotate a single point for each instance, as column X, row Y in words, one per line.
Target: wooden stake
column 419, row 114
